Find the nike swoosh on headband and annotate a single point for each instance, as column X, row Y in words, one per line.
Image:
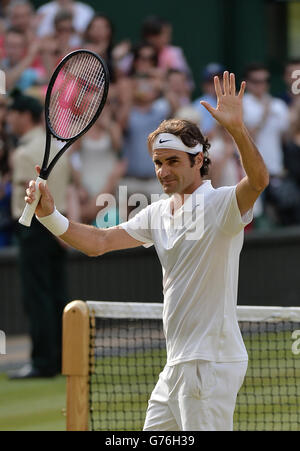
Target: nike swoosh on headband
column 165, row 141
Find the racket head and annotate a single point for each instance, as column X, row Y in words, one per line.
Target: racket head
column 76, row 94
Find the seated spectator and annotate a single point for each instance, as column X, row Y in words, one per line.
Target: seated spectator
column 81, row 13
column 208, row 123
column 158, row 32
column 6, row 222
column 99, row 36
column 21, row 72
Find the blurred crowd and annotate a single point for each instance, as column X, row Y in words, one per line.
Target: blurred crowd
column 150, row 80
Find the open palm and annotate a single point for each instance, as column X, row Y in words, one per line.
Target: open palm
column 229, row 110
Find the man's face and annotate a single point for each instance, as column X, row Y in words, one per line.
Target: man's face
column 14, row 47
column 174, row 171
column 16, row 120
column 21, row 17
column 258, row 82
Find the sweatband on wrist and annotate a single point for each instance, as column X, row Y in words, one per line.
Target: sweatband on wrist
column 56, row 223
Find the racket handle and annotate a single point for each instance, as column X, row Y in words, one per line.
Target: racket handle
column 29, row 209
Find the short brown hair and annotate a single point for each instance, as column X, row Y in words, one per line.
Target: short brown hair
column 190, row 135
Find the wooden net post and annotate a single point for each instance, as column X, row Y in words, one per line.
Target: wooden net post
column 75, row 364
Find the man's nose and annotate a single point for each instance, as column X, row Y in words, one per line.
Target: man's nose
column 164, row 170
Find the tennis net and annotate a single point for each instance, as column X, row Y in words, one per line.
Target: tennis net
column 127, row 352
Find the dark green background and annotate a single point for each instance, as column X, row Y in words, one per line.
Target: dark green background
column 233, row 32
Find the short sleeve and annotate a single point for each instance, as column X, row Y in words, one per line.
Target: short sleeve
column 228, row 215
column 139, row 227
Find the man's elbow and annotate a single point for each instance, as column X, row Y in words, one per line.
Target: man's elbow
column 95, row 252
column 265, row 181
column 261, row 182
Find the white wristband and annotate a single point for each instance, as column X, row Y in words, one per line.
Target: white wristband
column 56, row 223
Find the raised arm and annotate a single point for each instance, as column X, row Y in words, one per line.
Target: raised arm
column 85, row 238
column 229, row 113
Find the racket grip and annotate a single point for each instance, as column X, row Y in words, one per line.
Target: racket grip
column 29, row 209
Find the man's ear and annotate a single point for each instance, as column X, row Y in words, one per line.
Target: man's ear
column 199, row 160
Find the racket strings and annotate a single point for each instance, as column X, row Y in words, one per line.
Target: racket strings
column 63, row 116
column 68, row 123
column 76, row 95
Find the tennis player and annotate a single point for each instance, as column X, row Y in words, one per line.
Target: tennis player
column 206, row 356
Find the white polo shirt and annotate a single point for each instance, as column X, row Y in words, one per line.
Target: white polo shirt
column 199, row 250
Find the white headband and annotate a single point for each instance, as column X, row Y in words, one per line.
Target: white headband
column 169, row 141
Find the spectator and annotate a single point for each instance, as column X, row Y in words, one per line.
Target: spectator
column 158, row 32
column 208, row 123
column 97, row 150
column 178, row 93
column 81, row 12
column 267, row 119
column 287, row 190
column 290, row 76
column 141, row 111
column 21, row 17
column 98, row 37
column 145, row 64
column 177, row 85
column 19, row 61
column 61, row 42
column 6, row 224
column 41, row 256
column 226, row 168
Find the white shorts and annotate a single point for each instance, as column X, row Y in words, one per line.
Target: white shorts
column 195, row 396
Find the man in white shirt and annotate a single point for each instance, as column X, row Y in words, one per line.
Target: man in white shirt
column 198, row 234
column 82, row 15
column 266, row 117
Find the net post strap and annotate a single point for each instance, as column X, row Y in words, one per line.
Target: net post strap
column 154, row 310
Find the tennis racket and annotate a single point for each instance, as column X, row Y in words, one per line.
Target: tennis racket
column 75, row 97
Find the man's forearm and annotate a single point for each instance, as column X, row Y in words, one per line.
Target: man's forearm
column 85, row 238
column 252, row 160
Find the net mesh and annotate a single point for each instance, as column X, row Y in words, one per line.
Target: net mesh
column 76, row 95
column 127, row 355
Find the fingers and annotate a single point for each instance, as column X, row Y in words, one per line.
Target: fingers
column 226, row 86
column 232, row 84
column 208, row 107
column 229, row 85
column 242, row 89
column 30, row 197
column 218, row 88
